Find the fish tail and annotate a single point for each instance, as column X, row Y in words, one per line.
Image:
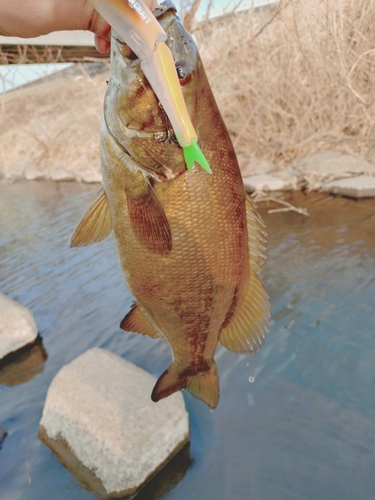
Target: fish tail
column 203, row 385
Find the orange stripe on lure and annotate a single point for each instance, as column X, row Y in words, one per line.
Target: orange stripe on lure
column 139, row 29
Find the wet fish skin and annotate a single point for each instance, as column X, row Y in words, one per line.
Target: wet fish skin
column 190, row 244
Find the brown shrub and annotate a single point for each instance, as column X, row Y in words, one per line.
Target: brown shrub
column 295, row 78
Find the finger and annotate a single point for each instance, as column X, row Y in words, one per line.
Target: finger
column 102, row 44
column 99, row 26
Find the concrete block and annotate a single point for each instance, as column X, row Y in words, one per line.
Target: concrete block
column 266, row 183
column 100, row 406
column 356, row 187
column 17, row 326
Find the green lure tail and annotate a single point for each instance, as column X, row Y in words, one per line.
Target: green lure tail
column 192, row 154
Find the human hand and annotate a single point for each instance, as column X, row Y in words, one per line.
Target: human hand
column 32, row 18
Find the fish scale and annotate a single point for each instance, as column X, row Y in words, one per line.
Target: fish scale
column 190, row 244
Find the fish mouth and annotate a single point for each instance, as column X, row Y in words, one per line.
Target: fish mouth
column 164, row 10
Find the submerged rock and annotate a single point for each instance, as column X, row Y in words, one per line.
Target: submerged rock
column 99, row 407
column 17, row 326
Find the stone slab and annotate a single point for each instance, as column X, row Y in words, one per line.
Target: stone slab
column 33, row 174
column 17, row 326
column 257, row 166
column 92, row 177
column 266, row 183
column 331, row 163
column 62, row 175
column 357, row 187
column 100, row 406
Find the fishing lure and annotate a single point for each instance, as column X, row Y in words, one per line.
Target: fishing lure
column 139, row 29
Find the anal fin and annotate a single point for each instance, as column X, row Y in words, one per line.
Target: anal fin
column 248, row 326
column 95, row 225
column 135, row 321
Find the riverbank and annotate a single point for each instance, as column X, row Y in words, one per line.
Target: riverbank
column 49, row 130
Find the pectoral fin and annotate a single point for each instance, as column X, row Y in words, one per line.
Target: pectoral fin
column 135, row 321
column 95, row 225
column 148, row 219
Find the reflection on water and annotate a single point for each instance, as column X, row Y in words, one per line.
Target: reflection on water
column 158, row 486
column 23, row 365
column 296, row 421
column 168, row 477
column 3, row 435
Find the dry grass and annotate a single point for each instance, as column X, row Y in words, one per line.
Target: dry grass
column 53, row 125
column 296, row 78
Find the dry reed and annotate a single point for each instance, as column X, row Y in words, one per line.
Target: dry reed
column 295, row 78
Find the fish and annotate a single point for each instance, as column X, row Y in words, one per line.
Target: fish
column 191, row 245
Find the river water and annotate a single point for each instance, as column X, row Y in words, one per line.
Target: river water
column 295, row 422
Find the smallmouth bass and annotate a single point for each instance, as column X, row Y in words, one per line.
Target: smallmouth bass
column 190, row 244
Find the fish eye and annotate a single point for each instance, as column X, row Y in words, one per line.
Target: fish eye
column 184, row 73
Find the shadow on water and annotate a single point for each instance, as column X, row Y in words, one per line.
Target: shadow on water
column 295, row 422
column 168, row 477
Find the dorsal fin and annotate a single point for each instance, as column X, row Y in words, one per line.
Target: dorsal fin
column 95, row 225
column 247, row 321
column 257, row 236
column 135, row 321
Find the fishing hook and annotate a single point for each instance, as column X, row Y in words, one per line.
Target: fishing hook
column 170, row 135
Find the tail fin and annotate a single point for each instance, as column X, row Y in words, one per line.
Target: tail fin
column 203, row 385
